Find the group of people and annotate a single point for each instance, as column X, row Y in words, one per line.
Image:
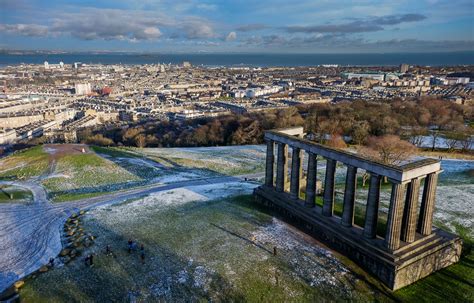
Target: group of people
column 131, row 245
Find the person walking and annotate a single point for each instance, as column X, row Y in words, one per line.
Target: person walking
column 142, row 253
column 86, row 261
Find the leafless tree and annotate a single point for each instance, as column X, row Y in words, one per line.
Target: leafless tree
column 388, row 149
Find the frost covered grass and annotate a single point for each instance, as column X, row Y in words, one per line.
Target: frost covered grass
column 80, row 174
column 455, row 196
column 200, row 247
column 228, row 160
column 25, row 164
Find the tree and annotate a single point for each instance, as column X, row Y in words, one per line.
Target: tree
column 416, row 135
column 289, row 117
column 140, row 140
column 99, row 140
column 388, row 149
column 336, row 141
column 467, row 142
column 360, row 132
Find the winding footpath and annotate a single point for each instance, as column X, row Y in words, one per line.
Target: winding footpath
column 30, row 234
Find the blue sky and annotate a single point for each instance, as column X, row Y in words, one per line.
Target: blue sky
column 279, row 26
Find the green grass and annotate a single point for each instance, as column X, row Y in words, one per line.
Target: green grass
column 114, row 152
column 18, row 194
column 452, row 284
column 25, row 164
column 230, row 169
column 86, row 175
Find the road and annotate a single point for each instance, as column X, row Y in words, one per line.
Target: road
column 30, row 234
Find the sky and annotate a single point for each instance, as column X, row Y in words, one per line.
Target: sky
column 240, row 26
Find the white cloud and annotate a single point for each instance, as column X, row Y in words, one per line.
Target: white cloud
column 115, row 24
column 30, row 30
column 197, row 28
column 231, row 36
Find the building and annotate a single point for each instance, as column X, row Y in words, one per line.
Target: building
column 367, row 75
column 46, row 65
column 411, row 248
column 7, row 136
column 83, row 88
column 404, row 68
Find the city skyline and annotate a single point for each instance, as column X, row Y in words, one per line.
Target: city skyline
column 238, row 26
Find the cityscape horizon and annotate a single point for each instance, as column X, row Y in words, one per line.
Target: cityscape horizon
column 236, row 151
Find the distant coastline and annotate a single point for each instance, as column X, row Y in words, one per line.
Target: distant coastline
column 249, row 59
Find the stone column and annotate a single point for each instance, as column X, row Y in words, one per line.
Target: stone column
column 311, row 181
column 282, row 167
column 270, row 162
column 347, row 219
column 372, row 209
column 328, row 199
column 409, row 213
column 395, row 214
column 295, row 173
column 427, row 204
column 301, row 174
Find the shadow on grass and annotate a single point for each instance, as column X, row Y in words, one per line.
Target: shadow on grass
column 123, row 277
column 242, row 238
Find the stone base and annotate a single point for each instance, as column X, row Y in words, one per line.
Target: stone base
column 409, row 263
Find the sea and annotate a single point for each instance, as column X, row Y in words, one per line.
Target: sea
column 250, row 60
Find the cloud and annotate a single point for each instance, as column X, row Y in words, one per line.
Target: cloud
column 206, row 7
column 397, row 19
column 344, row 43
column 115, row 24
column 231, row 36
column 357, row 26
column 251, row 27
column 197, row 28
column 29, row 30
column 352, row 27
column 109, row 24
column 268, row 40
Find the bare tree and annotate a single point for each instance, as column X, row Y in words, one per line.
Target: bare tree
column 467, row 143
column 336, row 141
column 140, row 140
column 416, row 135
column 434, row 134
column 388, row 149
column 360, row 132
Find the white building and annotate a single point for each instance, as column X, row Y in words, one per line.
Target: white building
column 46, row 65
column 7, row 136
column 83, row 88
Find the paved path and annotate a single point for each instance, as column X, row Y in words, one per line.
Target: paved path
column 30, row 233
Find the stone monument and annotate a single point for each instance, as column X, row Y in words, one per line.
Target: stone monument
column 411, row 247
